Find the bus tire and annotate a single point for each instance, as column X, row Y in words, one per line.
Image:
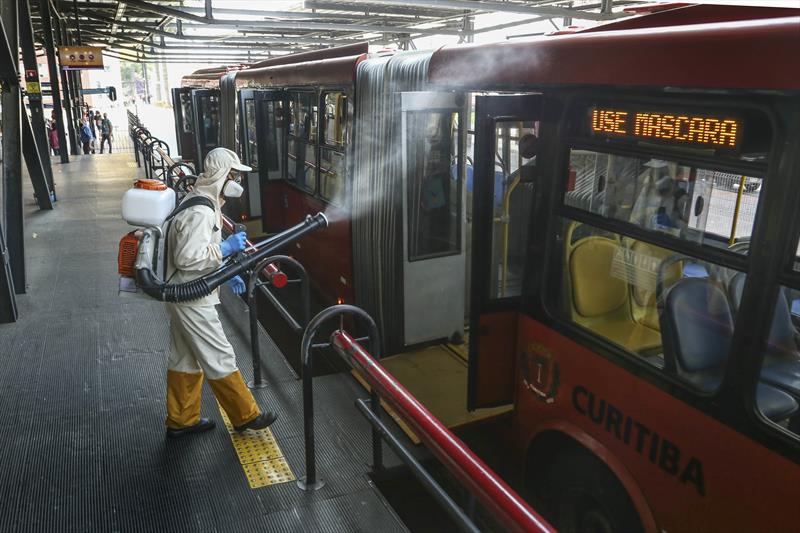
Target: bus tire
column 584, row 495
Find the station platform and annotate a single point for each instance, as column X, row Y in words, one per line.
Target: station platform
column 83, row 444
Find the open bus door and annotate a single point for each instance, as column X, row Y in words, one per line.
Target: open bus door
column 184, row 122
column 502, row 197
column 207, row 122
column 269, row 109
column 434, row 263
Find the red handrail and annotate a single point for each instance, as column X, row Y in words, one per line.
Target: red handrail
column 491, row 491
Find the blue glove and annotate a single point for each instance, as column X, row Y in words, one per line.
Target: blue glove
column 236, row 284
column 234, row 243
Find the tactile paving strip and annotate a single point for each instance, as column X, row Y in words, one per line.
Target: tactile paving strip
column 261, row 457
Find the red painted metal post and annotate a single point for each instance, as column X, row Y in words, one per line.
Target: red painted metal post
column 491, row 491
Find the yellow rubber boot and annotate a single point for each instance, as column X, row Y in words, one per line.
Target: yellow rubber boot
column 183, row 398
column 234, row 396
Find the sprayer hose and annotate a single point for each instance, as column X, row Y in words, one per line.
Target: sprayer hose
column 151, row 285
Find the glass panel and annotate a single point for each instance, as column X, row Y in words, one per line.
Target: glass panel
column 511, row 206
column 274, row 131
column 701, row 205
column 797, row 258
column 209, row 111
column 187, row 119
column 303, row 116
column 250, row 125
column 335, row 119
column 779, row 387
column 610, row 286
column 301, row 164
column 434, row 207
column 332, row 175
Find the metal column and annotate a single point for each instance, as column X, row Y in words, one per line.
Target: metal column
column 8, row 301
column 49, row 46
column 12, row 156
column 34, row 90
column 30, row 150
column 73, row 138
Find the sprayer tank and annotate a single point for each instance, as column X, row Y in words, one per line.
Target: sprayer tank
column 148, row 203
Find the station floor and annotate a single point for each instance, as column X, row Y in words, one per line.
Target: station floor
column 82, row 443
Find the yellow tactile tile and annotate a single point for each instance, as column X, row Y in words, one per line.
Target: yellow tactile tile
column 260, row 456
column 265, row 473
column 253, row 446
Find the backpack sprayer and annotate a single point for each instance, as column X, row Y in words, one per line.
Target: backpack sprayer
column 152, row 214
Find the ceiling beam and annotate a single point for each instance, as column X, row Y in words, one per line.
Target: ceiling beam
column 130, row 25
column 499, row 7
column 278, row 25
column 376, row 9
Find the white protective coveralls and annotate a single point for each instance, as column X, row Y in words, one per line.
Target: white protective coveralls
column 198, row 343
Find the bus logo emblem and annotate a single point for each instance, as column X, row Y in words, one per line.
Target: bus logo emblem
column 540, row 372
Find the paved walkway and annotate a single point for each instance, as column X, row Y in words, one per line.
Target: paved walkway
column 83, row 447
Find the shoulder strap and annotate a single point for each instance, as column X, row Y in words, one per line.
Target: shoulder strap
column 186, row 204
column 191, row 202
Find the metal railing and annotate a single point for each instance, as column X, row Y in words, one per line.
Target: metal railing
column 488, row 489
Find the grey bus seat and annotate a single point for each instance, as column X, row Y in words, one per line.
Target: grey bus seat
column 697, row 327
column 782, row 361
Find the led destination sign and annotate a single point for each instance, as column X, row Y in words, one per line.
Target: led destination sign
column 676, row 128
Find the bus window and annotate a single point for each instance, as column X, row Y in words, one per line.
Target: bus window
column 186, row 113
column 302, row 150
column 781, row 359
column 331, row 175
column 333, row 143
column 209, row 111
column 668, row 310
column 434, row 206
column 512, row 205
column 702, row 205
column 251, row 144
column 334, row 119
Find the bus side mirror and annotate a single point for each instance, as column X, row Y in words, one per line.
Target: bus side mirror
column 112, row 94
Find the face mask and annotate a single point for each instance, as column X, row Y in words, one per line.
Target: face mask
column 232, row 190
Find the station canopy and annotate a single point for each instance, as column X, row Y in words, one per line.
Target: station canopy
column 231, row 31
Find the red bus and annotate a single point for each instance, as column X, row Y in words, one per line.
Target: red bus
column 593, row 235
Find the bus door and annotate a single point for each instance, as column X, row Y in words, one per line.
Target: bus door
column 207, row 120
column 266, row 146
column 502, row 198
column 184, row 122
column 248, row 151
column 433, row 214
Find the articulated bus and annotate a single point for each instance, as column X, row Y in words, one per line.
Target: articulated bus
column 592, row 237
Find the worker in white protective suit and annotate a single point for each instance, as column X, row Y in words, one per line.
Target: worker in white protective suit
column 198, row 344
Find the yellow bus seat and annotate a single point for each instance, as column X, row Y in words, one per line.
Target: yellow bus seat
column 647, row 259
column 600, row 301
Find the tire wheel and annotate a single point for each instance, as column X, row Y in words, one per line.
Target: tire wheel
column 586, row 497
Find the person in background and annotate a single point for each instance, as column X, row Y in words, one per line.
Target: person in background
column 106, row 131
column 93, row 126
column 52, row 136
column 86, row 134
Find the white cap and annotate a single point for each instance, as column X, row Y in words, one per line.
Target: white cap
column 222, row 158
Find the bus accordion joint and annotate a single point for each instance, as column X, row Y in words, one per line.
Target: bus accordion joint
column 148, row 281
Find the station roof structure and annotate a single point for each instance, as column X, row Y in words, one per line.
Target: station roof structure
column 240, row 31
